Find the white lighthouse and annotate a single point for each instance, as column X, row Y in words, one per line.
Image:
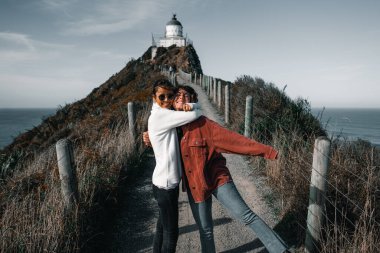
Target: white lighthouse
column 173, row 36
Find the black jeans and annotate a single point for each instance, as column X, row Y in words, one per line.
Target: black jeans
column 165, row 239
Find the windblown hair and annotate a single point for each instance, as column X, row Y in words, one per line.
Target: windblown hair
column 162, row 83
column 193, row 94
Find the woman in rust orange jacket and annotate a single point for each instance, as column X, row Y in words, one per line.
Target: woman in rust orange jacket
column 205, row 173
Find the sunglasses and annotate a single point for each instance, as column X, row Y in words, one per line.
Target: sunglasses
column 164, row 97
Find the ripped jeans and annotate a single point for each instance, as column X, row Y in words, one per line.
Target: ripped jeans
column 231, row 200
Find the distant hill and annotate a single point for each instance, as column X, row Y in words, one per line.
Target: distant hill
column 89, row 118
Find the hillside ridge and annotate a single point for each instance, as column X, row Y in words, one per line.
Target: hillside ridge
column 91, row 116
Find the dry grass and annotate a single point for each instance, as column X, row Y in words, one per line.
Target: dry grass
column 32, row 211
column 32, row 217
column 352, row 213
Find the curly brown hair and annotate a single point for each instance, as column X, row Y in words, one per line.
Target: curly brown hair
column 193, row 94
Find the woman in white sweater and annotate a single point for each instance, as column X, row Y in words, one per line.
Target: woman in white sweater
column 162, row 125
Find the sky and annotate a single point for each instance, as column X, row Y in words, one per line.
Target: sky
column 54, row 52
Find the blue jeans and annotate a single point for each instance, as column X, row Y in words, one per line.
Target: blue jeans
column 230, row 198
column 166, row 236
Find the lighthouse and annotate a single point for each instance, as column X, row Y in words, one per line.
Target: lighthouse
column 173, row 36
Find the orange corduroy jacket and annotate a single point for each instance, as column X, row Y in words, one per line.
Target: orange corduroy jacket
column 202, row 143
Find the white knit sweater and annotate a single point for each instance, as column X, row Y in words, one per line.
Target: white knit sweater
column 163, row 137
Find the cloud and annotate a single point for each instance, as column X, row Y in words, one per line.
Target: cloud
column 57, row 4
column 20, row 47
column 17, row 38
column 115, row 16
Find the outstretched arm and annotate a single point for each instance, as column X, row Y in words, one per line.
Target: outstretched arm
column 226, row 141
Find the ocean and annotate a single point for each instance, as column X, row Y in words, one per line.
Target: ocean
column 350, row 123
column 16, row 121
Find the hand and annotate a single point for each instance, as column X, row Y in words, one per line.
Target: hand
column 187, row 108
column 276, row 158
column 146, row 139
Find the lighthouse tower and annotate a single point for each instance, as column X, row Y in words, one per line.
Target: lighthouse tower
column 173, row 36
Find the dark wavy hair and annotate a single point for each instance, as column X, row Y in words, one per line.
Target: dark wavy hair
column 162, row 83
column 191, row 91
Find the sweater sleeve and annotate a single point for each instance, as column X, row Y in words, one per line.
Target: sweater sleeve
column 194, row 106
column 226, row 141
column 167, row 119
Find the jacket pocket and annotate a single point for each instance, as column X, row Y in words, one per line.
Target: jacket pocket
column 198, row 147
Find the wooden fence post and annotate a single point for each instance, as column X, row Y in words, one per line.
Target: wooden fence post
column 67, row 173
column 208, row 85
column 248, row 116
column 227, row 104
column 214, row 90
column 211, row 88
column 131, row 120
column 318, row 185
column 205, row 83
column 219, row 94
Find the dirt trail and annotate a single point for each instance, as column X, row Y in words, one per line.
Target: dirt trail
column 135, row 224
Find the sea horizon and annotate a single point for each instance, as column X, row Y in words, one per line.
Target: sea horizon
column 15, row 121
column 350, row 123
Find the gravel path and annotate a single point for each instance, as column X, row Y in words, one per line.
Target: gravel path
column 134, row 223
column 134, row 227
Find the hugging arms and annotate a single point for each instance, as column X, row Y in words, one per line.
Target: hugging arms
column 204, row 173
